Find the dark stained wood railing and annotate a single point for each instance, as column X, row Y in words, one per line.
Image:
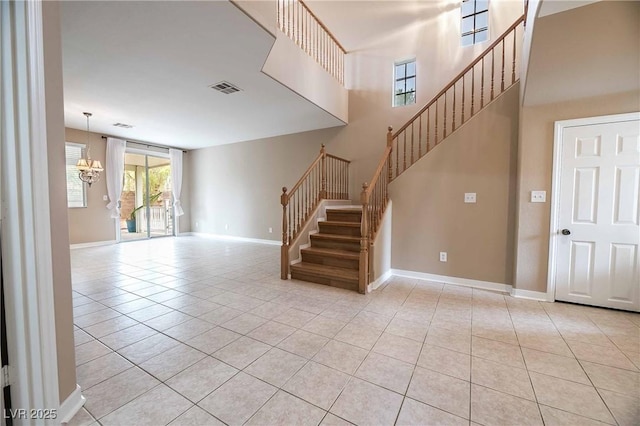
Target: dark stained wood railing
column 300, row 24
column 453, row 106
column 326, row 178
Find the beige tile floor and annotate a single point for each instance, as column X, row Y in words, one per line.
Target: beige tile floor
column 191, row 331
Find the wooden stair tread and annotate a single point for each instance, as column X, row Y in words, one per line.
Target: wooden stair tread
column 339, row 223
column 326, row 271
column 353, row 210
column 345, row 238
column 332, row 252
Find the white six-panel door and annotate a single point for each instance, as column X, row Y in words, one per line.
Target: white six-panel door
column 598, row 231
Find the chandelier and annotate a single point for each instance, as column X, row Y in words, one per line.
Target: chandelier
column 89, row 170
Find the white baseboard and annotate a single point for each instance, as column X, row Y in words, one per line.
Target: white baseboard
column 381, row 279
column 233, row 238
column 71, row 405
column 531, row 295
column 93, row 244
column 485, row 285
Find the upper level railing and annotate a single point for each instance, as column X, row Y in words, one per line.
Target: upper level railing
column 488, row 76
column 305, row 29
column 470, row 91
column 326, row 178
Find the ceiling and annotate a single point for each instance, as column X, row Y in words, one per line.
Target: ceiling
column 150, row 65
column 382, row 20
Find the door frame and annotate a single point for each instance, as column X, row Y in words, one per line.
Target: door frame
column 26, row 224
column 152, row 153
column 559, row 129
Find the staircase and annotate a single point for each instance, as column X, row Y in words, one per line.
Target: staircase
column 340, row 253
column 334, row 255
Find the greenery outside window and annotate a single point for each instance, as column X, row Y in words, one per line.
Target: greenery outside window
column 475, row 21
column 76, row 189
column 404, row 90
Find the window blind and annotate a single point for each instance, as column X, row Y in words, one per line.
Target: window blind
column 76, row 196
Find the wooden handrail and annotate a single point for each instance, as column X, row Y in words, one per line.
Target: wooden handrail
column 338, row 158
column 305, row 175
column 375, row 195
column 378, row 172
column 459, row 76
column 300, row 24
column 335, row 40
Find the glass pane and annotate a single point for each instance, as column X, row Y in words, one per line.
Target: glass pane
column 467, row 7
column 399, row 87
column 400, row 71
column 75, row 187
column 482, row 5
column 399, row 100
column 482, row 20
column 160, row 208
column 482, row 36
column 132, row 198
column 467, row 24
column 410, row 98
column 411, row 84
column 411, row 69
column 467, row 40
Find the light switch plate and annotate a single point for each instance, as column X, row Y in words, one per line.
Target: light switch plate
column 538, row 196
column 469, row 197
column 105, row 198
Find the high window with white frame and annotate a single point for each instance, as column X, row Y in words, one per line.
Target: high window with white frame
column 475, row 21
column 76, row 189
column 404, row 80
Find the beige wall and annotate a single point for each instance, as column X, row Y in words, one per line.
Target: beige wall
column 239, row 184
column 435, row 43
column 534, row 173
column 298, row 71
column 58, row 200
column 429, row 213
column 93, row 223
column 585, row 52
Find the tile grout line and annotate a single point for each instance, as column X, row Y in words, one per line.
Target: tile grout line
column 583, row 370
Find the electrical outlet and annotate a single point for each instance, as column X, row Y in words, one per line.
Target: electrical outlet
column 538, row 196
column 443, row 256
column 270, row 230
column 196, row 224
column 105, row 198
column 470, row 197
column 226, row 226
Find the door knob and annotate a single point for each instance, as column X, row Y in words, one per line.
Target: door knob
column 566, row 232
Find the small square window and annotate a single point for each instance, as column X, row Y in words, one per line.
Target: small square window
column 474, row 21
column 76, row 189
column 404, row 86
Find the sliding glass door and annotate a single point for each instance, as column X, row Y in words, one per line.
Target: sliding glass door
column 146, row 201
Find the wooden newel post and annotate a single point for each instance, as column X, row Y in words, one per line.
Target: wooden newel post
column 390, row 145
column 363, row 270
column 323, row 179
column 284, row 251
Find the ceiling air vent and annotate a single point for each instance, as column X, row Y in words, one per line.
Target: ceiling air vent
column 124, row 126
column 225, row 87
